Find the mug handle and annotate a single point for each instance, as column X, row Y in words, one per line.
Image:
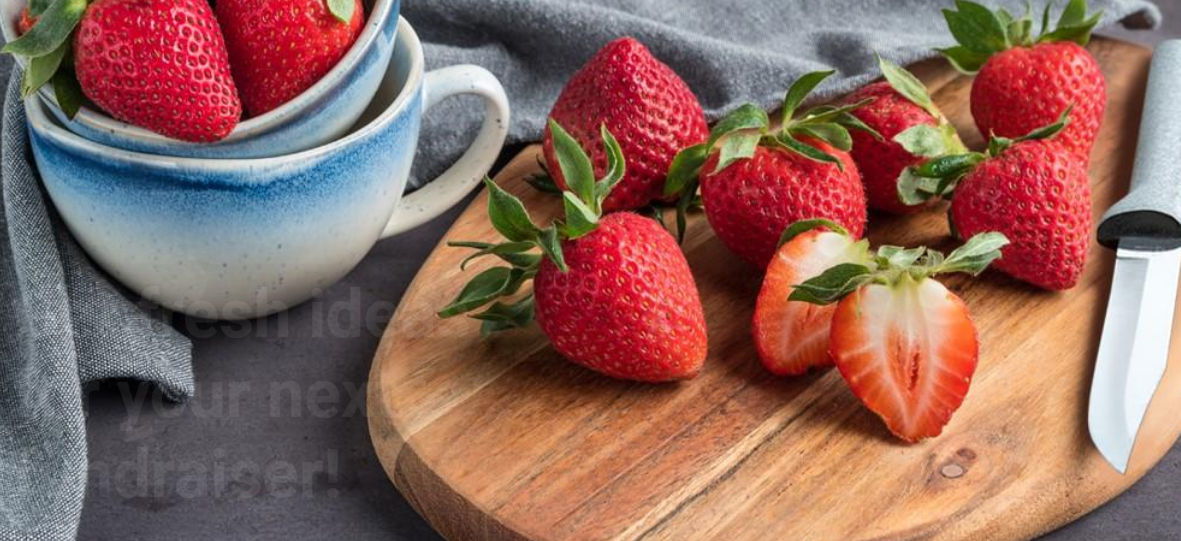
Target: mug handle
column 464, row 175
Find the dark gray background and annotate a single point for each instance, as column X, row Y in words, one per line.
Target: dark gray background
column 245, row 461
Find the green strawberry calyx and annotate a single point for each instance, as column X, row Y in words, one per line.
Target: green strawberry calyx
column 739, row 134
column 981, row 32
column 48, row 48
column 923, row 140
column 892, row 265
column 525, row 243
column 939, row 176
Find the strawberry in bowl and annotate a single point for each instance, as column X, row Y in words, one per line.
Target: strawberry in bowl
column 344, row 83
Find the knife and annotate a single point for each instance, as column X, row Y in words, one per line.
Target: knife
column 1144, row 229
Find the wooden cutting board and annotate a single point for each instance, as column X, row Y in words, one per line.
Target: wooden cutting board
column 501, row 439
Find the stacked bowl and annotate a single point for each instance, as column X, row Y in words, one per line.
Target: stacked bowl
column 286, row 204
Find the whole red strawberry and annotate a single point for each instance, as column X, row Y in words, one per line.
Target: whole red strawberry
column 897, row 107
column 644, row 103
column 612, row 293
column 1022, row 81
column 279, row 48
column 755, row 183
column 903, row 342
column 158, row 64
column 1033, row 190
column 627, row 305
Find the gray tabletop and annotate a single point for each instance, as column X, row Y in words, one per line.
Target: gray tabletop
column 275, row 445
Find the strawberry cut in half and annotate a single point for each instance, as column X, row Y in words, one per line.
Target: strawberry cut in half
column 791, row 337
column 902, row 341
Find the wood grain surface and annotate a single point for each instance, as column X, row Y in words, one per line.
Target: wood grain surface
column 502, row 439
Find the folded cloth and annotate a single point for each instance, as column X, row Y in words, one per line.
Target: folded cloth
column 728, row 52
column 62, row 325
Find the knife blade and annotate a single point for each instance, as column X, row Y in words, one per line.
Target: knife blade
column 1145, row 230
column 1134, row 348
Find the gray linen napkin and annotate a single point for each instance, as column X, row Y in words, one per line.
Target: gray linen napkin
column 62, row 323
column 728, row 52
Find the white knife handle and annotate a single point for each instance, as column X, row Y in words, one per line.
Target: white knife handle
column 1152, row 209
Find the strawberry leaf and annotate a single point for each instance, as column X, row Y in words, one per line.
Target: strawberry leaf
column 796, row 229
column 911, row 88
column 1073, row 14
column 580, row 219
column 511, row 252
column 37, row 7
column 508, row 214
column 551, row 245
column 829, row 132
column 799, row 91
column 737, row 146
column 502, row 317
column 616, row 165
column 42, row 69
column 808, row 151
column 833, row 284
column 1073, row 24
column 964, row 60
column 976, row 27
column 573, row 162
column 974, row 256
column 342, row 10
column 685, row 167
column 53, row 28
column 746, row 117
column 485, row 287
column 930, row 141
column 898, row 257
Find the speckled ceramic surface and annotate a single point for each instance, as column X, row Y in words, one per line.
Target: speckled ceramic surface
column 239, row 238
column 320, row 114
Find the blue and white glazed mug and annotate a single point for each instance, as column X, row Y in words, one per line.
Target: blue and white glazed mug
column 318, row 115
column 241, row 238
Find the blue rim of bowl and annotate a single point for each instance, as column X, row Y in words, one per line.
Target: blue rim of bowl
column 249, row 127
column 42, row 122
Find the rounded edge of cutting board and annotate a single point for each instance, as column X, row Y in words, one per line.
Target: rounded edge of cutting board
column 514, row 472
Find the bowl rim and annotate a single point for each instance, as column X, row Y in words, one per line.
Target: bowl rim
column 40, row 121
column 251, row 127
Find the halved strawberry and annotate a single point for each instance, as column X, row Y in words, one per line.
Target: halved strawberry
column 908, row 351
column 792, row 336
column 904, row 343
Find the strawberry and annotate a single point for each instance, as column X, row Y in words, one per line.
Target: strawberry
column 642, row 101
column 612, row 293
column 755, row 183
column 1032, row 189
column 898, row 107
column 26, row 22
column 1023, row 82
column 280, row 48
column 157, row 64
column 792, row 336
column 904, row 343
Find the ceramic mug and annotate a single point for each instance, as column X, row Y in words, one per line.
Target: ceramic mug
column 241, row 238
column 318, row 115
